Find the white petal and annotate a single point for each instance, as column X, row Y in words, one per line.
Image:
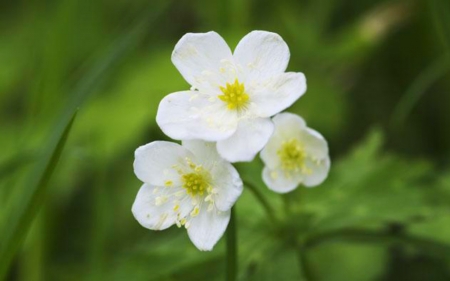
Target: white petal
column 225, row 178
column 317, row 162
column 315, row 144
column 262, row 55
column 205, row 152
column 228, row 184
column 285, row 122
column 189, row 115
column 279, row 93
column 270, row 156
column 249, row 138
column 207, row 228
column 154, row 217
column 319, row 172
column 287, row 126
column 197, row 53
column 153, row 163
column 277, row 180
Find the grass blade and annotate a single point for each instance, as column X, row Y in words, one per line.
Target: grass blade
column 440, row 13
column 418, row 88
column 104, row 66
column 17, row 222
column 21, row 216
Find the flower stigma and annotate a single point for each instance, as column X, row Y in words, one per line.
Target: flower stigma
column 195, row 183
column 292, row 155
column 234, row 96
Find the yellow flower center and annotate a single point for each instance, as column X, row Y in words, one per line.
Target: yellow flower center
column 234, row 96
column 292, row 155
column 195, row 183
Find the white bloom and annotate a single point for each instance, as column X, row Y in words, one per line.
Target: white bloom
column 232, row 94
column 295, row 154
column 188, row 185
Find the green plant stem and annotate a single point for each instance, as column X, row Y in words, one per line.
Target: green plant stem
column 303, row 263
column 264, row 203
column 231, row 267
column 300, row 250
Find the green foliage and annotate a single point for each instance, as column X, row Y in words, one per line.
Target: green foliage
column 17, row 220
column 369, row 187
column 384, row 207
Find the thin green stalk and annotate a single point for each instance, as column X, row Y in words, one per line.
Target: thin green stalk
column 418, row 88
column 264, row 203
column 231, row 267
column 303, row 263
column 300, row 250
column 16, row 226
column 439, row 15
column 286, row 204
column 32, row 258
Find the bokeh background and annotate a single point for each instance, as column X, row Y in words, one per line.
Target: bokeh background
column 378, row 90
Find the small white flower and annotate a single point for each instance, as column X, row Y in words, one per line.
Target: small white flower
column 188, row 185
column 233, row 95
column 295, row 154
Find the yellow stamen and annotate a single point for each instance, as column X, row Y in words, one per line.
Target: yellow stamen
column 292, row 155
column 195, row 183
column 234, row 96
column 195, row 212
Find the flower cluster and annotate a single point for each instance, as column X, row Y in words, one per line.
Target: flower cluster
column 225, row 117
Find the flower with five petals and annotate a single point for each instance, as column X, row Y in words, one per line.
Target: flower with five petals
column 295, row 154
column 188, row 185
column 232, row 95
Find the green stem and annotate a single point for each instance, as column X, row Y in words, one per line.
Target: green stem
column 301, row 251
column 264, row 203
column 231, row 270
column 286, row 204
column 303, row 262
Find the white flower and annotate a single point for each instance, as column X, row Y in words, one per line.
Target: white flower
column 188, row 185
column 232, row 94
column 295, row 154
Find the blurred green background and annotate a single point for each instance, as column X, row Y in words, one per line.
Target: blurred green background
column 378, row 90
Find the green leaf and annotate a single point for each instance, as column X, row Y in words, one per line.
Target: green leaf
column 20, row 217
column 370, row 187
